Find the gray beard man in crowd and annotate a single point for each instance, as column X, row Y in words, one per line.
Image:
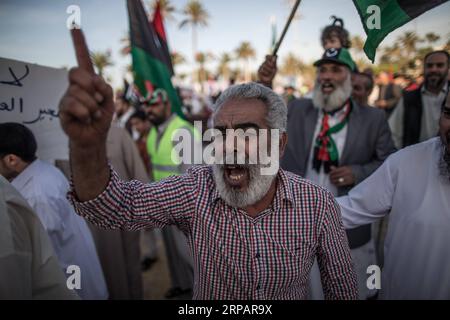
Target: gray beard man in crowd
column 336, row 143
column 258, row 245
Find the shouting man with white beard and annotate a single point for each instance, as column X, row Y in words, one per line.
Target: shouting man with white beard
column 251, row 237
column 337, row 143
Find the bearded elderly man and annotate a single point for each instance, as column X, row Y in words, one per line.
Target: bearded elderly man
column 251, row 236
column 413, row 188
column 337, row 143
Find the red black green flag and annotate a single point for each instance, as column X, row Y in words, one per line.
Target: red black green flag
column 392, row 15
column 152, row 66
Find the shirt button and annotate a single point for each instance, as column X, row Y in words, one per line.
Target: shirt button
column 258, row 287
column 257, row 255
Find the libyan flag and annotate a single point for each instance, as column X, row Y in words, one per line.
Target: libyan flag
column 381, row 17
column 152, row 66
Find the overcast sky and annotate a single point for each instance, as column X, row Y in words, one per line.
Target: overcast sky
column 38, row 33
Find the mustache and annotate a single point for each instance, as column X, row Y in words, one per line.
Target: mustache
column 240, row 161
column 440, row 77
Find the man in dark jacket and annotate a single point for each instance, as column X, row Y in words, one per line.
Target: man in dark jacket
column 337, row 143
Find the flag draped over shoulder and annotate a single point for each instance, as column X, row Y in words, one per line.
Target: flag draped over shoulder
column 392, row 15
column 152, row 66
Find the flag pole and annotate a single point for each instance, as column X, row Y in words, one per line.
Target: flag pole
column 286, row 27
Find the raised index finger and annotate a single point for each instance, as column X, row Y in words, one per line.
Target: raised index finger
column 81, row 50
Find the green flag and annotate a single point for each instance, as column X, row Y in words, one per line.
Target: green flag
column 152, row 67
column 381, row 17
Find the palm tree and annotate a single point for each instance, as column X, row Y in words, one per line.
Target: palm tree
column 177, row 58
column 202, row 58
column 224, row 66
column 409, row 42
column 357, row 45
column 196, row 16
column 290, row 4
column 432, row 38
column 392, row 54
column 291, row 66
column 101, row 60
column 447, row 46
column 244, row 53
column 167, row 9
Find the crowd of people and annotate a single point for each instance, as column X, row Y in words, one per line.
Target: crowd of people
column 364, row 180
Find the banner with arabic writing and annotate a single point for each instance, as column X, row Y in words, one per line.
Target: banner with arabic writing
column 30, row 94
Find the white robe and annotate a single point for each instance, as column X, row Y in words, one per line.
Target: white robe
column 45, row 187
column 410, row 188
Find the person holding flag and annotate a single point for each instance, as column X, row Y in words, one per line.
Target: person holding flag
column 337, row 143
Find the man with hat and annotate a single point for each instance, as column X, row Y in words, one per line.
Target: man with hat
column 337, row 143
column 160, row 146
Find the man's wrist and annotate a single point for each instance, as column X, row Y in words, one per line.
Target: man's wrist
column 89, row 169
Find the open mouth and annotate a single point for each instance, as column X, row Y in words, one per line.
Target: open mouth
column 327, row 87
column 236, row 175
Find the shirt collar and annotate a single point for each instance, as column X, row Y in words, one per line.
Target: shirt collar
column 339, row 111
column 26, row 175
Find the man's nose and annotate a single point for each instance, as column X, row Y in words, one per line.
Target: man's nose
column 433, row 68
column 325, row 76
column 230, row 143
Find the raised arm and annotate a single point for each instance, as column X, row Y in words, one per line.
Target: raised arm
column 98, row 194
column 86, row 111
column 267, row 71
column 135, row 205
column 371, row 199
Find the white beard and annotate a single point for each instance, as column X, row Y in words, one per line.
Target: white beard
column 444, row 161
column 334, row 100
column 258, row 186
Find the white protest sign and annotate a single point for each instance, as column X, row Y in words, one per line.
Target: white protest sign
column 30, row 94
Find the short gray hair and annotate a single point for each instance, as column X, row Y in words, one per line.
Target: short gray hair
column 276, row 108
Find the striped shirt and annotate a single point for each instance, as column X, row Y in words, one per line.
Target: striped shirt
column 237, row 256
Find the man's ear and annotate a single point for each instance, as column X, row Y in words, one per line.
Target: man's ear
column 11, row 161
column 283, row 143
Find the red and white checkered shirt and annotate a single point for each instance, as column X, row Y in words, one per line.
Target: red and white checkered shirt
column 237, row 256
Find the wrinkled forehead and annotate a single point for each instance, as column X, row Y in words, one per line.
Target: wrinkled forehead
column 236, row 112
